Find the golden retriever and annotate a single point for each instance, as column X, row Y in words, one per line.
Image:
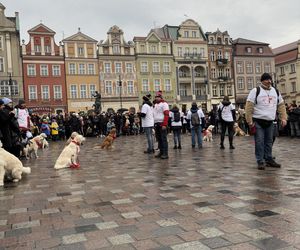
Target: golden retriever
column 73, row 135
column 208, row 133
column 33, row 145
column 69, row 155
column 108, row 141
column 10, row 165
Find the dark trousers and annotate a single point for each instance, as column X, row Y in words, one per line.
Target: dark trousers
column 161, row 137
column 229, row 126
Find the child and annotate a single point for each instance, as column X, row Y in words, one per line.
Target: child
column 54, row 130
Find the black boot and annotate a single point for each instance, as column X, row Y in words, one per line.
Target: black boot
column 222, row 145
column 179, row 147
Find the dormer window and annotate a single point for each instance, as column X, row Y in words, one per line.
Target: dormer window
column 194, row 34
column 211, row 40
column 249, row 50
column 80, row 51
column 186, row 34
column 260, row 50
column 116, row 48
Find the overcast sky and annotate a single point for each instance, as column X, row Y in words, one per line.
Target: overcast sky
column 273, row 21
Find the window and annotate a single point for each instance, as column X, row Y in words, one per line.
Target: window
column 32, row 92
column 92, row 89
column 73, row 90
column 260, row 50
column 281, row 70
column 212, row 55
column 31, row 70
column 47, row 49
column 143, row 48
column 214, row 90
column 145, row 85
column 45, row 92
column 179, row 51
column 187, row 51
column 108, row 87
column 167, row 67
column 57, row 92
column 222, row 90
column 195, row 51
column 129, row 68
column 194, row 34
column 130, row 89
column 1, row 42
column 248, row 49
column 72, row 69
column 213, row 73
column 83, row 93
column 211, row 40
column 220, row 54
column 227, row 55
column 1, row 64
column 80, row 51
column 81, row 68
column 227, row 72
column 257, row 80
column 229, row 90
column 164, row 49
column 293, row 85
column 220, row 72
column 91, row 69
column 153, row 49
column 37, row 48
column 7, row 90
column 240, row 68
column 157, row 84
column 44, row 70
column 267, row 68
column 116, row 48
column 167, row 85
column 186, row 34
column 293, row 70
column 249, row 83
column 144, row 66
column 107, row 68
column 56, row 70
column 257, row 68
column 118, row 67
column 155, row 67
column 249, row 68
column 202, row 52
column 241, row 83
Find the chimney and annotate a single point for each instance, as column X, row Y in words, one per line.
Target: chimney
column 17, row 21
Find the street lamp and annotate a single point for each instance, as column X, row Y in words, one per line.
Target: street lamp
column 120, row 89
column 10, row 83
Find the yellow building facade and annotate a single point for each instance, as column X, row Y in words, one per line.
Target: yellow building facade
column 82, row 71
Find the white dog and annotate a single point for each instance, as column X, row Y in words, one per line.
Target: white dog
column 11, row 166
column 33, row 145
column 208, row 133
column 69, row 155
column 73, row 135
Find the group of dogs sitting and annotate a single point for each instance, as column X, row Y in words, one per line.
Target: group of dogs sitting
column 208, row 133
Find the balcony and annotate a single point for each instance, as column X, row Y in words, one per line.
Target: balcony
column 184, row 75
column 201, row 97
column 192, row 56
column 222, row 62
column 186, row 98
column 223, row 78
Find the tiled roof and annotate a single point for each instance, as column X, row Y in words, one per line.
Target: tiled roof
column 286, row 47
column 246, row 41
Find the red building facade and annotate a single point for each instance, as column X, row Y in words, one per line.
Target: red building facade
column 44, row 72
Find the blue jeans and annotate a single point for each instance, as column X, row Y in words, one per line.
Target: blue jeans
column 149, row 136
column 263, row 143
column 177, row 135
column 198, row 132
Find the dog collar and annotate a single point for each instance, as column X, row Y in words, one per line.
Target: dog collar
column 77, row 143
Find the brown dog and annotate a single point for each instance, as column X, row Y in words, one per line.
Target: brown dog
column 237, row 130
column 108, row 141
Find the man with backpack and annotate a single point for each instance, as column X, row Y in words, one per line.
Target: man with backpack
column 176, row 125
column 261, row 108
column 196, row 118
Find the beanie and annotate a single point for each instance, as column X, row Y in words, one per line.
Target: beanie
column 265, row 76
column 6, row 100
column 158, row 94
column 21, row 102
column 1, row 102
column 145, row 98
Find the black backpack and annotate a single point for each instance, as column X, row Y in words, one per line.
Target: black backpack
column 258, row 91
column 195, row 120
column 176, row 116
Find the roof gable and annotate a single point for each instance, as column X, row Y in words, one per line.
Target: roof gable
column 79, row 37
column 41, row 28
column 153, row 37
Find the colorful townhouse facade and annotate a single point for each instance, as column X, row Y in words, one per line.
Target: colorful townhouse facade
column 250, row 60
column 82, row 71
column 117, row 71
column 44, row 72
column 11, row 77
column 155, row 66
column 287, row 64
column 220, row 67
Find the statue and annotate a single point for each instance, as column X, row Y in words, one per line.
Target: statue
column 97, row 104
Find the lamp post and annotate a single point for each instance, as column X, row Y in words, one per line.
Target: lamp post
column 120, row 89
column 10, row 83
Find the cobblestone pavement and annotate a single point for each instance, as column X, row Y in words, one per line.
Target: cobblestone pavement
column 124, row 199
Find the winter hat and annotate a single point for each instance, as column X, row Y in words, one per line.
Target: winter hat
column 158, row 94
column 6, row 100
column 1, row 102
column 145, row 98
column 194, row 104
column 21, row 102
column 265, row 76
